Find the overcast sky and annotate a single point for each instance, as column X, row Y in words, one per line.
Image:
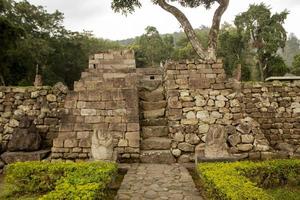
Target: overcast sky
column 97, row 16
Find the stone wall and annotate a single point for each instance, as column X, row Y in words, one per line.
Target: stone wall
column 102, row 120
column 260, row 120
column 29, row 117
column 118, row 112
column 40, row 104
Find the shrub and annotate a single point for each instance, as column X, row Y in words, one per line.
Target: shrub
column 240, row 180
column 60, row 180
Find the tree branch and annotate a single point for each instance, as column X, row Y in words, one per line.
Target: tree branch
column 187, row 27
column 215, row 28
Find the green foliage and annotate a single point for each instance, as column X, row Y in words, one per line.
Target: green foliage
column 264, row 32
column 291, row 49
column 128, row 6
column 296, row 65
column 276, row 66
column 285, row 193
column 240, row 180
column 60, row 180
column 150, row 49
column 31, row 36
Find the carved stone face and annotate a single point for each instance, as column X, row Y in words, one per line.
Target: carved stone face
column 101, row 137
column 102, row 145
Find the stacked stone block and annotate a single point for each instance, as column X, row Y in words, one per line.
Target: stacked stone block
column 155, row 140
column 42, row 105
column 104, row 99
column 196, row 104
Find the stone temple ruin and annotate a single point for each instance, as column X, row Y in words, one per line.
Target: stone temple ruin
column 151, row 115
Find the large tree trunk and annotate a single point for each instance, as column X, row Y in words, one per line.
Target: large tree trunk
column 261, row 70
column 215, row 28
column 187, row 27
column 2, row 82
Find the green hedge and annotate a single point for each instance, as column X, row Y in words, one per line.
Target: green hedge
column 241, row 180
column 59, row 180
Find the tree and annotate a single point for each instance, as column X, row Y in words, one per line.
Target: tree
column 129, row 6
column 264, row 32
column 152, row 45
column 291, row 49
column 296, row 65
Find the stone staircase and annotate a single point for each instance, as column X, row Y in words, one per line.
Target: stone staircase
column 155, row 143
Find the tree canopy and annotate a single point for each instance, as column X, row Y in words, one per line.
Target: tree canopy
column 31, row 36
column 264, row 31
column 129, row 6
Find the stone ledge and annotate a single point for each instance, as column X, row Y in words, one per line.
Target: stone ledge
column 12, row 157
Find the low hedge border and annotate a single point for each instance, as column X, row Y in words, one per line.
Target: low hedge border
column 60, row 180
column 242, row 180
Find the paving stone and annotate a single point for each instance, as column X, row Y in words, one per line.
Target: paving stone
column 158, row 181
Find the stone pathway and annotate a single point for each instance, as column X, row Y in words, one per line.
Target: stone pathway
column 158, row 181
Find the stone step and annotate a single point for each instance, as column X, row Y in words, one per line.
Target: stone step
column 149, row 85
column 154, row 122
column 154, row 114
column 157, row 156
column 156, row 143
column 154, row 131
column 153, row 105
column 156, row 95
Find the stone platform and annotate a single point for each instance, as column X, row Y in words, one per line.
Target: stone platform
column 158, row 181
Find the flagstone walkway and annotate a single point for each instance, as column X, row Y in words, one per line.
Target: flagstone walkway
column 158, row 181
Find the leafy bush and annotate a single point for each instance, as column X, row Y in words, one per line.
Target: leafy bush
column 240, row 180
column 60, row 180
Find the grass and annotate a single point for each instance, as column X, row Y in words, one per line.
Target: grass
column 285, row 193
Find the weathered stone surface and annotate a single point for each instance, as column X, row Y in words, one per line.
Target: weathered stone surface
column 51, row 97
column 285, row 147
column 156, row 143
column 178, row 137
column 184, row 159
column 158, row 181
column 173, row 102
column 153, row 105
column 133, row 139
column 186, row 147
column 102, row 145
column 244, row 128
column 152, row 114
column 12, row 157
column 203, row 128
column 192, row 138
column 155, row 95
column 25, row 140
column 191, row 115
column 234, row 139
column 247, row 139
column 216, row 146
column 154, row 122
column 176, row 152
column 154, row 131
column 244, row 147
column 157, row 156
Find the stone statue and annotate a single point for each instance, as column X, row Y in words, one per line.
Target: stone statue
column 102, row 145
column 216, row 143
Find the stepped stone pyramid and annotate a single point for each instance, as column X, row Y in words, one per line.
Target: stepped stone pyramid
column 102, row 116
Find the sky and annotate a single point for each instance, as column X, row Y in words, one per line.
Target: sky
column 97, row 16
